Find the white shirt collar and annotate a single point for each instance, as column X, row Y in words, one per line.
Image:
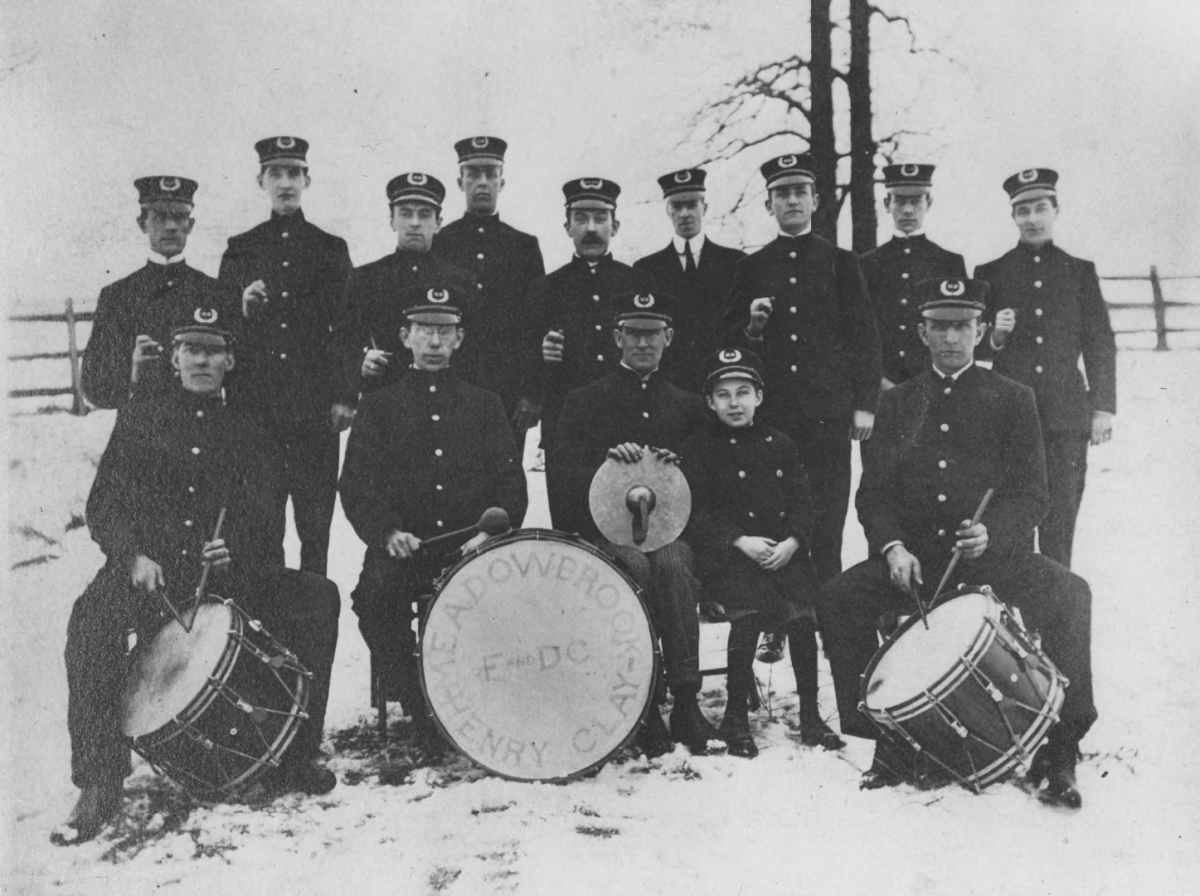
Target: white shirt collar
column 901, row 235
column 791, row 236
column 155, row 258
column 697, row 243
column 953, row 377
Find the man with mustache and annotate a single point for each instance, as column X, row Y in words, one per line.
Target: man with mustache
column 893, row 270
column 283, row 281
column 1047, row 313
column 801, row 304
column 697, row 271
column 569, row 343
column 942, row 439
column 503, row 262
column 369, row 333
column 125, row 358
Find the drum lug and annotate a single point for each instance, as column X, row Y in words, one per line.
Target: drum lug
column 896, row 726
column 949, row 717
column 982, row 680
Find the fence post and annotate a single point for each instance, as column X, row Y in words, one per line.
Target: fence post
column 1160, row 310
column 78, row 405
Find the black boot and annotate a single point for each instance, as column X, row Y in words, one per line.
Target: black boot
column 688, row 724
column 889, row 767
column 735, row 726
column 802, row 635
column 1054, row 766
column 96, row 806
column 653, row 738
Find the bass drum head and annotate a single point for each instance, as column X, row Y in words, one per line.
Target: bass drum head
column 917, row 658
column 537, row 657
column 174, row 669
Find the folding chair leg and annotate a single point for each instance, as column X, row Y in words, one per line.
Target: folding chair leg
column 379, row 701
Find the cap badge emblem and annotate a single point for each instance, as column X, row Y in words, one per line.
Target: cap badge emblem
column 169, row 184
column 683, row 177
column 953, row 288
column 1028, row 177
column 787, row 162
column 910, row 170
column 417, row 180
column 286, row 142
column 731, row 356
column 205, row 315
column 591, row 184
column 438, row 296
column 646, row 301
column 479, row 142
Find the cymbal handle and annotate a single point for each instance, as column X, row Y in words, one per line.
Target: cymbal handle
column 640, row 500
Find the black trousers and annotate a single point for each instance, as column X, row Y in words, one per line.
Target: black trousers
column 309, row 476
column 299, row 608
column 672, row 593
column 1053, row 601
column 824, row 447
column 1066, row 470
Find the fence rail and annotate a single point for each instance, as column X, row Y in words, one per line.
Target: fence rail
column 1157, row 304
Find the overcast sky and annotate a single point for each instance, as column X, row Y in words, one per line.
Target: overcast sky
column 97, row 93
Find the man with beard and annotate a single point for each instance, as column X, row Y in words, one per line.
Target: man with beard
column 503, row 262
column 283, row 280
column 1047, row 315
column 698, row 272
column 369, row 332
column 124, row 360
column 571, row 310
column 173, row 464
column 893, row 270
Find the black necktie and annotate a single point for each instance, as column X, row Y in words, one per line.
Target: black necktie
column 689, row 260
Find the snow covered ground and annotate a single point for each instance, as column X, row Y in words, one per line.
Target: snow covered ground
column 791, row 821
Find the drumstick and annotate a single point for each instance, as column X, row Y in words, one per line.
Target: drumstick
column 205, row 570
column 958, row 551
column 494, row 521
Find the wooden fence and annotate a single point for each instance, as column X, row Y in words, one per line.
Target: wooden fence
column 1158, row 305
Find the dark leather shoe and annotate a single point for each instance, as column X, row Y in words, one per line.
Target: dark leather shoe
column 653, row 739
column 1054, row 765
column 311, row 777
column 97, row 804
column 770, row 649
column 881, row 773
column 1061, row 789
column 689, row 726
column 735, row 731
column 815, row 733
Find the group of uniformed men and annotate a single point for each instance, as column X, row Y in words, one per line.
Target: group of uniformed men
column 611, row 359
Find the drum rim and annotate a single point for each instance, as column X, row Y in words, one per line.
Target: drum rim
column 537, row 533
column 949, row 680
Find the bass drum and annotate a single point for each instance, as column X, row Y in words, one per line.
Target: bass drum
column 537, row 656
column 972, row 692
column 215, row 707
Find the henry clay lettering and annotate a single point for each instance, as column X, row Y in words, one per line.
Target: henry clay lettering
column 537, row 657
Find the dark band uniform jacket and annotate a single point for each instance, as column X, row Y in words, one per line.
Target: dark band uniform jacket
column 892, row 271
column 748, row 481
column 1061, row 316
column 621, row 407
column 147, row 301
column 169, row 468
column 373, row 311
column 428, row 455
column 502, row 263
column 288, row 368
column 820, row 346
column 936, row 449
column 702, row 297
column 577, row 299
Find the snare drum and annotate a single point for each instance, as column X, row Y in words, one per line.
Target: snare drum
column 215, row 707
column 972, row 693
column 537, row 656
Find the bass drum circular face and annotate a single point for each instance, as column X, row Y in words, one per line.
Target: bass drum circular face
column 537, row 657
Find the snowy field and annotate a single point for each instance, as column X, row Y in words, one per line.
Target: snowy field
column 791, row 821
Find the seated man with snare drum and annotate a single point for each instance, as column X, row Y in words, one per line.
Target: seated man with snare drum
column 618, row 416
column 427, row 455
column 171, row 466
column 941, row 440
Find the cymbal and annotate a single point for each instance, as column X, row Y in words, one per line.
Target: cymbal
column 665, row 506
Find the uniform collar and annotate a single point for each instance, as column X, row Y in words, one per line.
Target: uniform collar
column 954, row 376
column 297, row 215
column 432, row 377
column 163, row 261
column 629, row 371
column 789, row 236
column 580, row 260
column 916, row 234
column 192, row 401
column 1035, row 250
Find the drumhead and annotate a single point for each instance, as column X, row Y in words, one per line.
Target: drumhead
column 919, row 657
column 537, row 657
column 173, row 670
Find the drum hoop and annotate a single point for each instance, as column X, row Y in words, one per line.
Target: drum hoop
column 540, row 534
column 949, row 680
